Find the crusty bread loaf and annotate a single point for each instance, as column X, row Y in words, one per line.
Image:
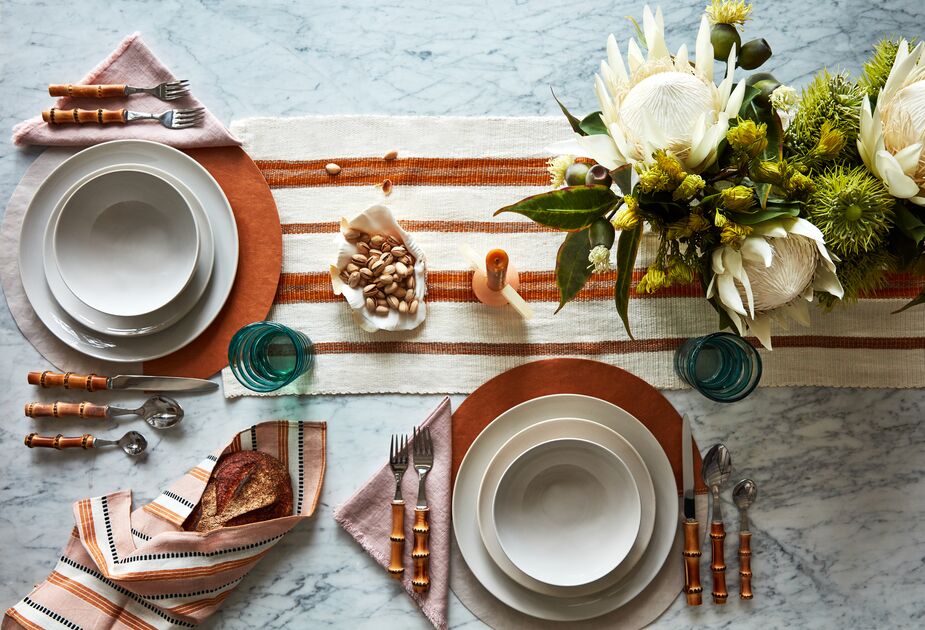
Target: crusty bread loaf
column 246, row 487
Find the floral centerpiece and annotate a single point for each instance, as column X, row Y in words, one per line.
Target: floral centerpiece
column 771, row 199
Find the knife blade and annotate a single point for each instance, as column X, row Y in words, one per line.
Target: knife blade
column 92, row 382
column 692, row 553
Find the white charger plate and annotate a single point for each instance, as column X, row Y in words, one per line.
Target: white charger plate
column 147, row 347
column 567, row 512
column 142, row 324
column 465, row 507
column 557, row 429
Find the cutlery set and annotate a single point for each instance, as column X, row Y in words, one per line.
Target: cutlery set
column 716, row 470
column 167, row 91
column 422, row 460
column 161, row 412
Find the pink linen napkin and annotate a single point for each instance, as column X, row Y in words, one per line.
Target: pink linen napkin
column 367, row 516
column 131, row 63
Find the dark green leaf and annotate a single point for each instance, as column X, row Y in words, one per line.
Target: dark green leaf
column 568, row 209
column 573, row 120
column 763, row 215
column 623, row 178
column 909, row 224
column 627, row 248
column 593, row 124
column 750, row 93
column 572, row 266
column 763, row 191
column 919, row 299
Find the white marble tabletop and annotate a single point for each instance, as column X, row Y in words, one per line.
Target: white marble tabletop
column 838, row 528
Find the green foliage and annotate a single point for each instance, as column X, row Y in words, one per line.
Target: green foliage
column 572, row 269
column 877, row 67
column 569, row 209
column 852, row 208
column 919, row 299
column 593, row 124
column 573, row 120
column 627, row 249
column 832, row 98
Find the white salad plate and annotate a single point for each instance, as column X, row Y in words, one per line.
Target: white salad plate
column 31, row 252
column 466, row 496
column 561, row 428
column 126, row 242
column 566, row 512
column 150, row 322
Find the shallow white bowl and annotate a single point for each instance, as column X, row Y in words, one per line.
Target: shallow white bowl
column 127, row 242
column 567, row 512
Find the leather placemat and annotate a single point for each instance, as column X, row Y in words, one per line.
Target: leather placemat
column 259, row 262
column 572, row 376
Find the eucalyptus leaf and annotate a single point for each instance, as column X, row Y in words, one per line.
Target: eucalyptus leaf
column 572, row 266
column 593, row 124
column 909, row 224
column 568, row 209
column 573, row 120
column 919, row 299
column 750, row 93
column 627, row 248
column 762, row 191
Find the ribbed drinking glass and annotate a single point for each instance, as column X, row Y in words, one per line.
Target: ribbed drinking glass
column 265, row 356
column 722, row 366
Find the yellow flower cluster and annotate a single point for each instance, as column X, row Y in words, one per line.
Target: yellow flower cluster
column 654, row 280
column 737, row 198
column 687, row 227
column 658, row 278
column 666, row 174
column 748, row 138
column 728, row 11
column 627, row 217
column 734, row 234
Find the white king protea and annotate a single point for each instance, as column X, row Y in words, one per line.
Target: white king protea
column 660, row 102
column 892, row 137
column 773, row 276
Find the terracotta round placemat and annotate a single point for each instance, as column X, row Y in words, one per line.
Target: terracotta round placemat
column 259, row 264
column 590, row 378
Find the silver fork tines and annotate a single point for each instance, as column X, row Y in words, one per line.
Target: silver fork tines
column 423, row 449
column 167, row 91
column 398, row 460
column 172, row 118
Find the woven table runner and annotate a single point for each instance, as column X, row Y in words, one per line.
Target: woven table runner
column 450, row 176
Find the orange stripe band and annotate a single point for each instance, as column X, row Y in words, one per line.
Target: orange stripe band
column 447, row 227
column 98, row 601
column 414, row 171
column 18, row 618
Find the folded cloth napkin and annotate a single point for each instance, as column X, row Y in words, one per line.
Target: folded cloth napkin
column 367, row 516
column 131, row 63
column 140, row 569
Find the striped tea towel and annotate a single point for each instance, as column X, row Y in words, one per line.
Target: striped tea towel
column 450, row 176
column 139, row 569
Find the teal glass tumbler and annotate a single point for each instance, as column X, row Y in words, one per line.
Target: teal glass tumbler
column 265, row 356
column 722, row 366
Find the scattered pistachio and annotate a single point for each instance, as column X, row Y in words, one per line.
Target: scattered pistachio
column 391, row 155
column 332, row 168
column 387, row 187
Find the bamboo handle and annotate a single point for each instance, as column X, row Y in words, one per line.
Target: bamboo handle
column 718, row 564
column 421, row 552
column 745, row 565
column 59, row 409
column 34, row 440
column 692, row 554
column 397, row 539
column 55, row 116
column 69, row 380
column 86, row 91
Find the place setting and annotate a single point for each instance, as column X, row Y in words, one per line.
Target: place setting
column 706, row 228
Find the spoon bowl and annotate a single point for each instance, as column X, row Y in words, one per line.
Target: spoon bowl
column 717, row 466
column 744, row 494
column 133, row 443
column 161, row 412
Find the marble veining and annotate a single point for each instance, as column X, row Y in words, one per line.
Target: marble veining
column 838, row 538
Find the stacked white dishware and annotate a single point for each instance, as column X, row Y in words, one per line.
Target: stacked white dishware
column 565, row 507
column 128, row 250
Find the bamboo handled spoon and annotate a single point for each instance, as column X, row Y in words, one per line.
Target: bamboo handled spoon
column 161, row 412
column 717, row 467
column 744, row 494
column 133, row 443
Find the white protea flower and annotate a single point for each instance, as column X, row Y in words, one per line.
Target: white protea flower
column 660, row 102
column 892, row 137
column 773, row 276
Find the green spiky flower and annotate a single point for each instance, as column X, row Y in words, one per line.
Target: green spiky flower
column 860, row 275
column 877, row 68
column 832, row 98
column 852, row 208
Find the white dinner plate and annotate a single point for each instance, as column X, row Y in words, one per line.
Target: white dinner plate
column 465, row 506
column 224, row 230
column 142, row 324
column 567, row 512
column 557, row 429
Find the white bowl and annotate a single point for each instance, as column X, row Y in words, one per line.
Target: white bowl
column 567, row 512
column 127, row 242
